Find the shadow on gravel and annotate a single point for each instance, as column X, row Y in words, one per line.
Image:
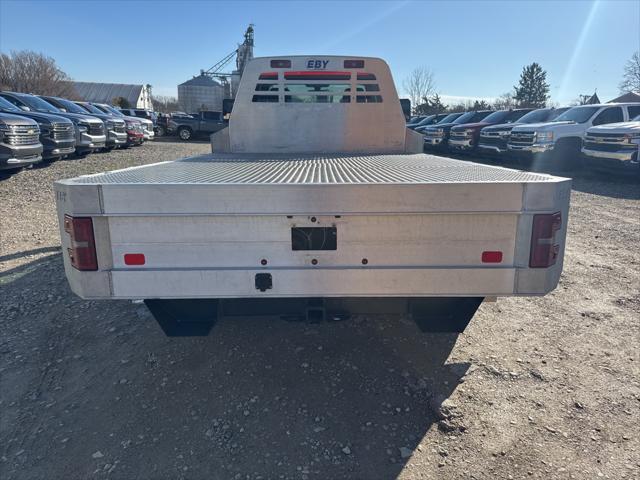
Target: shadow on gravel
column 34, row 251
column 94, row 388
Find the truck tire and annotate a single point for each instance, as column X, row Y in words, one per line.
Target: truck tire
column 160, row 131
column 567, row 155
column 185, row 133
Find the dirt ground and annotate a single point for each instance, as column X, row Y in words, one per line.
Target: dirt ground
column 545, row 388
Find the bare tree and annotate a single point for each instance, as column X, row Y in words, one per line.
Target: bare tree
column 506, row 101
column 419, row 85
column 31, row 72
column 165, row 104
column 631, row 76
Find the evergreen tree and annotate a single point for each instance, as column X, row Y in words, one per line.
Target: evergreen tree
column 533, row 89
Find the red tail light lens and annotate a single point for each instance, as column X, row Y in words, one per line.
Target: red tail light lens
column 82, row 253
column 268, row 76
column 544, row 247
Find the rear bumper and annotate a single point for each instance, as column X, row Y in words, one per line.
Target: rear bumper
column 292, row 283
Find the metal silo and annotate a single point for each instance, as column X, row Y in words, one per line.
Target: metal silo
column 200, row 93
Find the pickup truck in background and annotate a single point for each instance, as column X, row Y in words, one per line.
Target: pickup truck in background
column 19, row 142
column 140, row 124
column 558, row 144
column 57, row 134
column 89, row 131
column 493, row 139
column 437, row 136
column 202, row 123
column 115, row 129
column 465, row 136
column 615, row 145
column 430, row 120
column 132, row 126
column 331, row 210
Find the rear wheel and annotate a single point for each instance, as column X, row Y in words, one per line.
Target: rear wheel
column 185, row 133
column 160, row 131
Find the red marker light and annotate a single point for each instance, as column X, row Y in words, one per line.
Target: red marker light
column 268, row 76
column 134, row 259
column 491, row 257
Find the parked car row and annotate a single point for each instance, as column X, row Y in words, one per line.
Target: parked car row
column 44, row 128
column 563, row 138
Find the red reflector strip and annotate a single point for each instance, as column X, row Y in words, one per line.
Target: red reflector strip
column 268, row 76
column 82, row 253
column 544, row 249
column 491, row 257
column 366, row 76
column 134, row 259
column 280, row 63
column 354, row 64
column 317, row 75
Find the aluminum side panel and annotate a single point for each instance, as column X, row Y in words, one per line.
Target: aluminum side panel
column 383, row 240
column 199, row 199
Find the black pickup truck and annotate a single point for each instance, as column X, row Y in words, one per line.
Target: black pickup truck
column 202, row 123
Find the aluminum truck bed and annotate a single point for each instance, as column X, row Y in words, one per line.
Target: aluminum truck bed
column 271, row 215
column 405, row 225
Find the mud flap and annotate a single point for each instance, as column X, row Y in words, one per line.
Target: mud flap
column 184, row 317
column 443, row 314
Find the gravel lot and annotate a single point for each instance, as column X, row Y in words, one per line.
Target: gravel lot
column 535, row 388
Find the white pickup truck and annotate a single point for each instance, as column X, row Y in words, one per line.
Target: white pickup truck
column 615, row 145
column 315, row 202
column 559, row 142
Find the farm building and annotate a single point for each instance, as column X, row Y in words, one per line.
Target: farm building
column 137, row 96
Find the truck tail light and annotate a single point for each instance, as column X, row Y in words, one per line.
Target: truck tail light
column 82, row 253
column 544, row 247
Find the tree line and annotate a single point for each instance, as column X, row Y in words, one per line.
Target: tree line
column 531, row 91
column 32, row 72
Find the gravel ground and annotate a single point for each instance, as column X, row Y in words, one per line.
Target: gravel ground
column 535, row 388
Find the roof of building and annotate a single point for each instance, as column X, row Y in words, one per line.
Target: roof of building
column 626, row 98
column 201, row 81
column 106, row 92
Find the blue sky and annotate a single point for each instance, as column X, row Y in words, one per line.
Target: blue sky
column 475, row 49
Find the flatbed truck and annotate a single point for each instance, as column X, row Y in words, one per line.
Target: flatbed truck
column 316, row 202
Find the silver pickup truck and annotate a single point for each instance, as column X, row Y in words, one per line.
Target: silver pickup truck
column 316, row 201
